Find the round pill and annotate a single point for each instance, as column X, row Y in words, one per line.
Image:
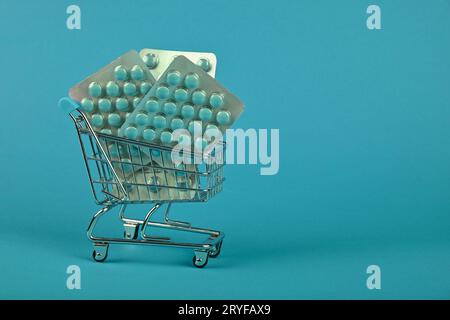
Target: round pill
column 151, row 60
column 112, row 89
column 122, row 104
column 159, row 122
column 173, row 78
column 195, row 127
column 149, row 134
column 104, row 105
column 131, row 132
column 120, row 73
column 162, row 92
column 129, row 89
column 184, row 139
column 192, row 81
column 145, row 87
column 200, row 143
column 87, row 105
column 97, row 120
column 166, row 137
column 199, row 97
column 216, row 100
column 187, row 111
column 95, row 89
column 223, row 117
column 170, row 108
column 176, row 123
column 137, row 73
column 141, row 119
column 136, row 102
column 114, row 120
column 152, row 106
column 204, row 64
column 212, row 131
column 106, row 131
column 205, row 114
column 180, row 95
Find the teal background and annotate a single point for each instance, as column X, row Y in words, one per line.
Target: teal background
column 364, row 175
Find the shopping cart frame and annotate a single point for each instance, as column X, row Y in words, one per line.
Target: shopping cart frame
column 98, row 159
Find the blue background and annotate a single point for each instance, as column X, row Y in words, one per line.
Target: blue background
column 364, row 175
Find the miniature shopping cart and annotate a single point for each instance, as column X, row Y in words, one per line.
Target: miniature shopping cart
column 124, row 172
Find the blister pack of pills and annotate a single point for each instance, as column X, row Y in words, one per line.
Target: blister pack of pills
column 184, row 97
column 158, row 60
column 108, row 96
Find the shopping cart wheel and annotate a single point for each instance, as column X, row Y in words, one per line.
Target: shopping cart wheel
column 200, row 259
column 100, row 252
column 216, row 251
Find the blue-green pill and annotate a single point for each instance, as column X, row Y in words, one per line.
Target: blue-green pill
column 141, row 119
column 87, row 105
column 162, row 92
column 122, row 104
column 204, row 64
column 192, row 81
column 131, row 132
column 176, row 123
column 223, row 117
column 97, row 120
column 170, row 108
column 145, row 87
column 205, row 114
column 216, row 100
column 152, row 106
column 95, row 89
column 159, row 122
column 187, row 111
column 104, row 105
column 199, row 97
column 166, row 137
column 180, row 95
column 173, row 78
column 129, row 89
column 112, row 89
column 114, row 120
column 195, row 127
column 137, row 73
column 120, row 73
column 151, row 60
column 149, row 134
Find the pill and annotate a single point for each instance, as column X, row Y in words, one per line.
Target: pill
column 180, row 95
column 159, row 122
column 187, row 111
column 129, row 89
column 122, row 104
column 114, row 120
column 173, row 78
column 195, row 127
column 166, row 137
column 141, row 119
column 199, row 97
column 170, row 108
column 151, row 60
column 176, row 123
column 149, row 134
column 136, row 102
column 223, row 117
column 97, row 120
column 212, row 131
column 152, row 106
column 87, row 105
column 204, row 64
column 104, row 105
column 192, row 81
column 216, row 100
column 120, row 73
column 145, row 87
column 95, row 89
column 112, row 89
column 131, row 132
column 200, row 143
column 106, row 131
column 162, row 92
column 137, row 73
column 184, row 140
column 205, row 114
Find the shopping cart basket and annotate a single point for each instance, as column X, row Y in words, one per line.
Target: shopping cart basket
column 124, row 172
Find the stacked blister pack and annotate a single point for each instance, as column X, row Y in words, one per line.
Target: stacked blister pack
column 148, row 97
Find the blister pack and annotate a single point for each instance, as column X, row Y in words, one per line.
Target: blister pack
column 158, row 60
column 108, row 96
column 184, row 97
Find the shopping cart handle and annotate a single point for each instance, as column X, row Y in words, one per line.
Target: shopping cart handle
column 67, row 105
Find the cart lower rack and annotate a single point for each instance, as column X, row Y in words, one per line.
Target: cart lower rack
column 124, row 172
